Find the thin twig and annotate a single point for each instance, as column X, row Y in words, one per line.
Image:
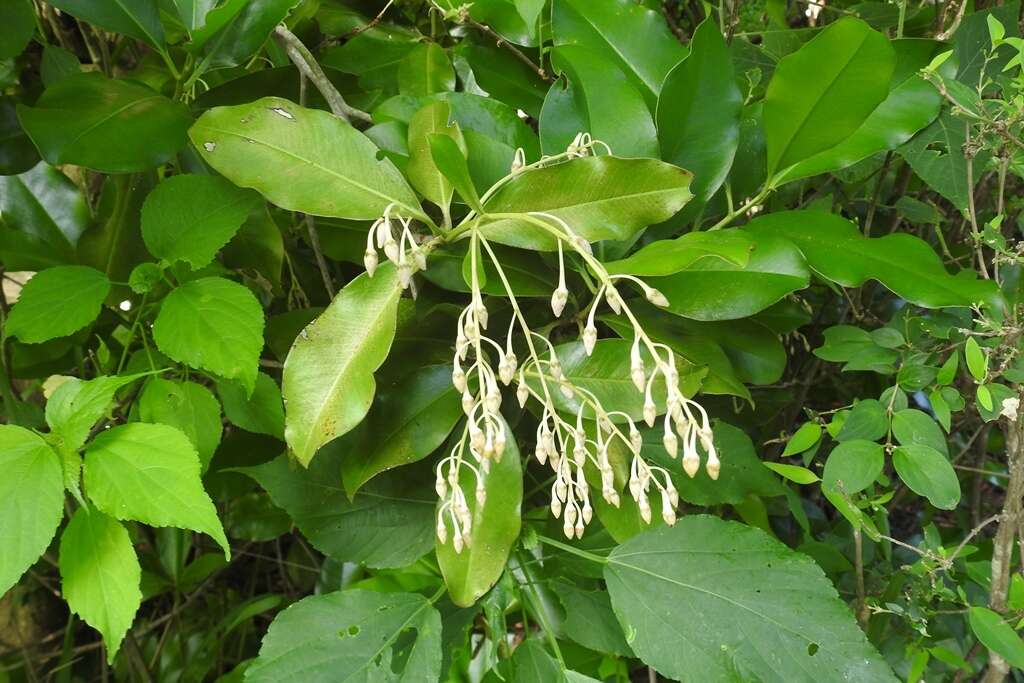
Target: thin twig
column 373, row 22
column 501, row 42
column 321, row 262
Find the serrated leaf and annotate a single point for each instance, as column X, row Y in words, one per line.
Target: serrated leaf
column 747, row 588
column 187, row 406
column 57, row 302
column 328, row 382
column 212, row 324
column 76, row 405
column 100, row 575
column 150, row 473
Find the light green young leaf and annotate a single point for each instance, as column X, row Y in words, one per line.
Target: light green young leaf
column 747, row 588
column 495, row 527
column 352, row 635
column 450, row 160
column 423, row 172
column 977, row 360
column 666, row 257
column 803, row 439
column 187, row 406
column 150, row 473
column 837, row 251
column 212, row 324
column 997, row 635
column 795, row 473
column 600, row 198
column 331, row 168
column 190, row 217
column 100, row 575
column 328, row 382
column 31, row 501
column 407, row 423
column 928, row 473
column 261, row 413
column 57, row 302
column 76, row 406
column 822, row 93
column 425, row 70
column 113, row 126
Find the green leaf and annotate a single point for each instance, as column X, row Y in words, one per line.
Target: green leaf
column 407, row 423
column 503, row 76
column 44, row 214
column 215, row 325
column 31, row 501
column 666, row 257
column 236, row 30
column 714, row 289
column 423, row 172
column 17, row 26
column 599, row 100
column 803, row 439
column 977, row 360
column 388, row 524
column 328, row 382
column 928, row 473
column 57, row 302
column 589, row 619
column 599, row 197
column 857, row 348
column 794, row 473
column 699, row 112
column 332, row 169
column 114, row 243
column 495, row 527
column 150, row 473
column 100, row 575
column 352, row 635
column 820, row 94
column 112, row 126
column 747, row 588
column 911, row 105
column 853, row 466
column 193, row 12
column 947, row 373
column 261, row 413
column 425, row 70
column 191, row 217
column 997, row 635
column 189, row 407
column 836, row 250
column 868, row 420
column 633, row 36
column 911, row 426
column 139, row 19
column 58, row 64
column 527, row 273
column 450, row 160
column 936, row 156
column 17, row 153
column 76, row 406
column 984, row 396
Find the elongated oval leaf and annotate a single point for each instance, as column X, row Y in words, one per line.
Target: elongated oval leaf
column 57, row 302
column 666, row 257
column 997, row 635
column 701, row 600
column 837, row 251
column 599, row 197
column 31, row 500
column 107, row 125
column 150, row 473
column 139, row 19
column 495, row 528
column 328, row 382
column 302, row 160
column 426, row 177
column 928, row 473
column 352, row 635
column 822, row 93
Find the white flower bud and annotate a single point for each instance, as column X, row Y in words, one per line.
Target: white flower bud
column 556, row 507
column 691, row 463
column 476, row 438
column 457, row 541
column 560, row 490
column 579, row 528
column 541, row 454
column 442, row 530
column 493, row 399
column 650, row 411
column 566, row 390
column 555, row 368
column 713, row 466
column 370, row 261
column 440, row 486
column 568, row 529
column 645, row 509
column 467, row 402
column 499, row 444
column 588, row 512
column 671, row 443
column 613, row 299
column 481, row 315
column 558, row 300
column 656, row 298
column 391, row 248
column 636, row 488
column 579, row 455
column 419, row 258
column 636, row 373
column 458, row 378
column 668, row 513
column 636, row 440
column 612, row 497
column 505, row 372
column 589, row 338
column 523, row 394
column 481, row 494
column 570, row 515
column 404, row 275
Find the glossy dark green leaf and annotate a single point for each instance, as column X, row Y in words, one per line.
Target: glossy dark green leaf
column 823, row 92
column 373, row 55
column 389, row 524
column 113, row 126
column 857, row 348
column 407, row 423
column 17, row 25
column 715, row 289
column 631, row 35
column 425, row 70
column 495, row 527
column 139, row 19
column 747, row 588
column 234, row 31
column 837, row 251
column 699, row 112
column 17, row 153
column 928, row 473
column 57, row 302
column 936, row 155
column 328, row 382
column 42, row 215
column 589, row 619
column 803, row 439
column 599, row 99
column 332, row 168
column 504, row 77
column 190, row 217
column 852, row 466
column 58, row 64
column 666, row 257
column 599, row 197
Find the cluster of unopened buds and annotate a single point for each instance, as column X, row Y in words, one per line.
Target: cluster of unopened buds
column 405, row 252
column 594, row 433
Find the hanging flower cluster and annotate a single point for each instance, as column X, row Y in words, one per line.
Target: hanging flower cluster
column 564, row 444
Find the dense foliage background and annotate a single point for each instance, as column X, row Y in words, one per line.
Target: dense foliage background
column 229, row 453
